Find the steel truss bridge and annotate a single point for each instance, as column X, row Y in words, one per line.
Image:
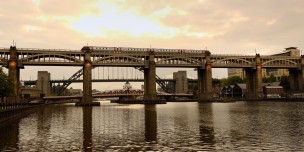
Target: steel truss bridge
column 147, row 59
column 103, row 57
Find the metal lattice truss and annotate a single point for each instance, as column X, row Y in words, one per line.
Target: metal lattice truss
column 79, row 73
column 137, row 59
column 221, row 61
column 281, row 62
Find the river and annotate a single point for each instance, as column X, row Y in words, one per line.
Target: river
column 184, row 126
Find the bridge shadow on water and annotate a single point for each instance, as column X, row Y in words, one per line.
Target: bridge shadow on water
column 150, row 126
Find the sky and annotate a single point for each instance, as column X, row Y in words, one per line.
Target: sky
column 221, row 26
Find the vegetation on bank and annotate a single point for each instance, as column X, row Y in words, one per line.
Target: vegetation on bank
column 6, row 85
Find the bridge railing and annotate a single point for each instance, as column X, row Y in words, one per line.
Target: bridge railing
column 226, row 55
column 37, row 49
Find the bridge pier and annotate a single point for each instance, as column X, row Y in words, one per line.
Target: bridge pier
column 296, row 79
column 87, row 99
column 149, row 78
column 204, row 80
column 14, row 73
column 254, row 80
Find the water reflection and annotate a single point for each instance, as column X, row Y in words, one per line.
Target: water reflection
column 87, row 128
column 9, row 136
column 240, row 126
column 150, row 123
column 206, row 128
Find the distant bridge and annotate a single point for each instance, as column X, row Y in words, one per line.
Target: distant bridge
column 33, row 82
column 111, row 95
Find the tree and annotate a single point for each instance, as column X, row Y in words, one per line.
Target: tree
column 270, row 79
column 6, row 85
column 285, row 82
column 231, row 80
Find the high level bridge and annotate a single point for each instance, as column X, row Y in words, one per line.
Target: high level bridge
column 147, row 60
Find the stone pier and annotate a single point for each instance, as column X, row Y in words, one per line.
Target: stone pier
column 150, row 79
column 204, row 78
column 87, row 99
column 254, row 81
column 14, row 73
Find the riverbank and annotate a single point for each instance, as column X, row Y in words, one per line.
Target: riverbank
column 17, row 112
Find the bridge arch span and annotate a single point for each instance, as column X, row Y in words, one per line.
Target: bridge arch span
column 50, row 58
column 282, row 61
column 237, row 61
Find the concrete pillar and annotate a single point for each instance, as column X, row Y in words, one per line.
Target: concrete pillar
column 14, row 72
column 296, row 79
column 204, row 78
column 87, row 99
column 250, row 83
column 259, row 88
column 150, row 78
column 254, row 83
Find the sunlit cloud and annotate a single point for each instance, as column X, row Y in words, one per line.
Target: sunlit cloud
column 166, row 11
column 37, row 2
column 186, row 30
column 32, row 28
column 112, row 19
column 201, row 1
column 271, row 22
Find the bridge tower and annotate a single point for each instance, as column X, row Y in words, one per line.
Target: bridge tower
column 149, row 78
column 14, row 73
column 204, row 79
column 87, row 99
column 254, row 79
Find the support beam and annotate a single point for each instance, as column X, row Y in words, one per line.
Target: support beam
column 150, row 80
column 87, row 99
column 14, row 73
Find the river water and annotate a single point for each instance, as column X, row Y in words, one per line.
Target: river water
column 187, row 126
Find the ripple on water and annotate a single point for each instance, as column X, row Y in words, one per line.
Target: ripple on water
column 240, row 126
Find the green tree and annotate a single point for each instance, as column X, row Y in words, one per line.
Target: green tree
column 231, row 80
column 270, row 79
column 6, row 85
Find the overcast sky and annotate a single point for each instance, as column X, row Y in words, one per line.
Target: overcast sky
column 221, row 26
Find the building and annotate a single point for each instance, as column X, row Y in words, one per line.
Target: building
column 239, row 90
column 268, row 90
column 277, row 73
column 181, row 82
column 43, row 82
column 29, row 92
